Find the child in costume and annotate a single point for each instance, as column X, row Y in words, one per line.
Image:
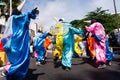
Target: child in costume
column 40, row 48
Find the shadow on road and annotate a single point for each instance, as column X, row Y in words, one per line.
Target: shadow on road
column 31, row 76
column 88, row 61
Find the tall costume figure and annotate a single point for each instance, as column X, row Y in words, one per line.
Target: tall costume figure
column 66, row 34
column 68, row 44
column 17, row 44
column 40, row 48
column 98, row 32
column 57, row 32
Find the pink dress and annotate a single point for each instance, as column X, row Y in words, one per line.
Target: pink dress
column 99, row 46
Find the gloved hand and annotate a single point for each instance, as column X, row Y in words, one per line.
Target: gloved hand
column 35, row 11
column 50, row 34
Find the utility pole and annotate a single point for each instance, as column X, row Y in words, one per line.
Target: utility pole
column 116, row 14
column 10, row 7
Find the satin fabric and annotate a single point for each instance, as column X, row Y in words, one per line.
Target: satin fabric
column 109, row 54
column 68, row 43
column 58, row 46
column 90, row 44
column 39, row 46
column 77, row 48
column 99, row 46
column 17, row 46
column 58, row 33
column 47, row 42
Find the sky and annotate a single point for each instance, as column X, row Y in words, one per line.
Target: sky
column 68, row 9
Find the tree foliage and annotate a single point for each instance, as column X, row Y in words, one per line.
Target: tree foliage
column 14, row 3
column 107, row 19
column 7, row 6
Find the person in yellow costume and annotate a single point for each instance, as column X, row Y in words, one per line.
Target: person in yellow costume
column 77, row 48
column 67, row 32
column 58, row 33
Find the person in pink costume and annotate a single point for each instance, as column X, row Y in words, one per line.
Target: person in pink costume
column 98, row 31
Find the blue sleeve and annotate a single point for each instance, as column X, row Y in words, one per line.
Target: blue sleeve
column 97, row 37
column 76, row 31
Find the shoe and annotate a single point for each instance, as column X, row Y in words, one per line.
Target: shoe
column 3, row 74
column 102, row 66
column 99, row 67
column 67, row 68
column 38, row 63
column 43, row 62
column 109, row 63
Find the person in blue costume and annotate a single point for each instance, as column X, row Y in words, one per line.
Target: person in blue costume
column 40, row 49
column 68, row 44
column 17, row 44
column 109, row 54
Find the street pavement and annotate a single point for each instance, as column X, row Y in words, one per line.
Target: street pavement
column 81, row 69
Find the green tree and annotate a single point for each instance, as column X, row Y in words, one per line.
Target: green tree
column 6, row 8
column 14, row 3
column 107, row 19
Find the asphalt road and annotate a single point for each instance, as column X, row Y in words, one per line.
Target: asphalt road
column 81, row 70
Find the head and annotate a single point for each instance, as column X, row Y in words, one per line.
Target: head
column 61, row 19
column 35, row 11
column 91, row 21
column 18, row 9
column 58, row 19
column 39, row 31
column 15, row 11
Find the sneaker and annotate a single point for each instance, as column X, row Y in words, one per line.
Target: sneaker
column 99, row 67
column 102, row 66
column 67, row 69
column 3, row 74
column 38, row 63
column 109, row 63
column 43, row 62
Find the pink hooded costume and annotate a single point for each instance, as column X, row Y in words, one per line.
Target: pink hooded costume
column 98, row 32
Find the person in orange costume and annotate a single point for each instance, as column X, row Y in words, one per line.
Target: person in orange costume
column 47, row 42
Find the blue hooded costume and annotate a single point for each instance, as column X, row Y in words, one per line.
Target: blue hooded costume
column 68, row 43
column 39, row 46
column 17, row 46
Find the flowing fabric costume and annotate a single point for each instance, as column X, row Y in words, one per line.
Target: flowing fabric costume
column 100, row 42
column 47, row 42
column 39, row 46
column 90, row 44
column 109, row 54
column 64, row 33
column 16, row 42
column 58, row 32
column 77, row 48
column 68, row 44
